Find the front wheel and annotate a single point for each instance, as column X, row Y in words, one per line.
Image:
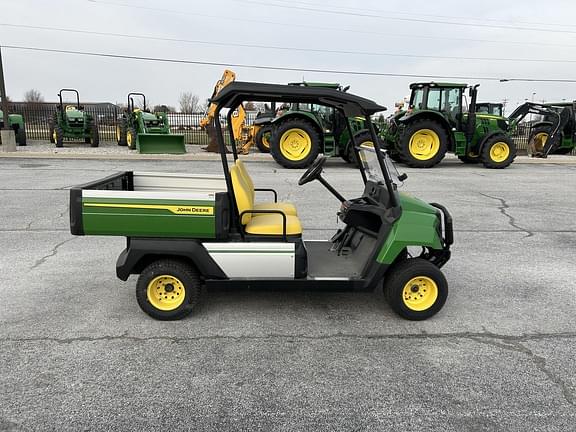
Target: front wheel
column 168, row 289
column 263, row 138
column 21, row 136
column 423, row 144
column 415, row 289
column 295, row 143
column 498, row 152
column 95, row 136
column 131, row 135
column 58, row 136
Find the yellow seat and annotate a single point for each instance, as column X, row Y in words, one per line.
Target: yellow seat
column 264, row 223
column 285, row 207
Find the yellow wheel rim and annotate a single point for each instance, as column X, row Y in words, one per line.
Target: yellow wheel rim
column 54, row 136
column 420, row 293
column 539, row 141
column 424, row 144
column 499, row 152
column 295, row 144
column 129, row 138
column 166, row 292
column 266, row 141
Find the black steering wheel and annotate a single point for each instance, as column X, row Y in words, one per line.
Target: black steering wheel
column 313, row 172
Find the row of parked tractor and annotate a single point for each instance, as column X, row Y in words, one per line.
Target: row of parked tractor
column 440, row 118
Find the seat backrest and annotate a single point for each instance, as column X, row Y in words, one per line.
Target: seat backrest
column 247, row 179
column 242, row 193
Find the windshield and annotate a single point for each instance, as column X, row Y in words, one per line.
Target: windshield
column 371, row 166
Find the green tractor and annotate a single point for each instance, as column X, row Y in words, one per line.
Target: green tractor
column 72, row 122
column 438, row 122
column 561, row 115
column 303, row 130
column 147, row 132
column 16, row 122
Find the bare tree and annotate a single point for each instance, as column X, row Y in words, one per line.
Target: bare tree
column 33, row 95
column 189, row 103
column 163, row 108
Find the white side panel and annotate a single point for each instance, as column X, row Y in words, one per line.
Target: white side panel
column 178, row 182
column 254, row 260
column 190, row 196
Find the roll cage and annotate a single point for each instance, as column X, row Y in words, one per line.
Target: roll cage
column 348, row 104
column 67, row 90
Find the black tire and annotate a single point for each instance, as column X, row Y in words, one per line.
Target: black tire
column 469, row 159
column 59, row 141
column 535, row 147
column 563, row 151
column 490, row 151
column 131, row 136
column 21, row 136
column 417, row 272
column 404, row 150
column 183, row 279
column 359, row 139
column 279, row 148
column 51, row 132
column 263, row 137
column 121, row 133
column 95, row 136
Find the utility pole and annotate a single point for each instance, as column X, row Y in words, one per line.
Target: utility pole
column 7, row 134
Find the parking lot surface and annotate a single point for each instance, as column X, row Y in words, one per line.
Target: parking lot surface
column 78, row 354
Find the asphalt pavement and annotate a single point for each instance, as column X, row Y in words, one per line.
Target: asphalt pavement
column 76, row 352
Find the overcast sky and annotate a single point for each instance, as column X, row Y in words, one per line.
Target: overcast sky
column 530, row 30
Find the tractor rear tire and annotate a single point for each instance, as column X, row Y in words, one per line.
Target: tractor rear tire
column 415, row 289
column 95, row 138
column 360, row 138
column 295, row 143
column 121, row 133
column 168, row 289
column 131, row 136
column 262, row 138
column 59, row 136
column 423, row 144
column 498, row 152
column 51, row 132
column 537, row 140
column 21, row 136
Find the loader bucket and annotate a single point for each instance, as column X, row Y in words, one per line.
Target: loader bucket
column 148, row 143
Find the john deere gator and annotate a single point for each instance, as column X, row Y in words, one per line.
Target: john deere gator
column 147, row 132
column 439, row 121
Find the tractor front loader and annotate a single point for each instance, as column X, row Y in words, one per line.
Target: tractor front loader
column 147, row 132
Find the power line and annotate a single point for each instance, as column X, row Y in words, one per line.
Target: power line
column 282, row 48
column 283, row 68
column 395, row 12
column 420, row 20
column 338, row 29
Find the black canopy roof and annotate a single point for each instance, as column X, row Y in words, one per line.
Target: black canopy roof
column 238, row 91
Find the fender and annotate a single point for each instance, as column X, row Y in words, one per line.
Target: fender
column 140, row 252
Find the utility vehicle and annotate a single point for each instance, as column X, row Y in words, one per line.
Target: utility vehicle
column 438, row 121
column 147, row 132
column 189, row 231
column 72, row 122
column 16, row 122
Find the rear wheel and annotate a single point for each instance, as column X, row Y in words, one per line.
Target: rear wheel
column 121, row 133
column 498, row 152
column 131, row 138
column 168, row 289
column 415, row 289
column 21, row 136
column 423, row 144
column 263, row 137
column 95, row 136
column 58, row 136
column 295, row 143
column 537, row 141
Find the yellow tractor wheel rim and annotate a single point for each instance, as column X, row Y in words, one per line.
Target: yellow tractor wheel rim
column 539, row 141
column 295, row 144
column 266, row 141
column 499, row 152
column 54, row 136
column 129, row 138
column 424, row 144
column 166, row 292
column 420, row 293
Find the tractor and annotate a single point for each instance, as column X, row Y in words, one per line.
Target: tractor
column 147, row 132
column 303, row 130
column 542, row 129
column 16, row 122
column 437, row 121
column 72, row 122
